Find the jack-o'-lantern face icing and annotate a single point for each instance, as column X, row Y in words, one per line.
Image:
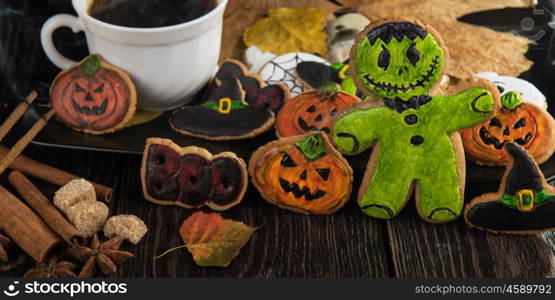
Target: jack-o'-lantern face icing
column 313, row 111
column 191, row 177
column 518, row 122
column 302, row 173
column 93, row 96
column 401, row 60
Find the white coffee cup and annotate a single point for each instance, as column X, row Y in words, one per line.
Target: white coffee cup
column 168, row 64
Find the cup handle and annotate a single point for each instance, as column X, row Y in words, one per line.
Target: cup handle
column 55, row 22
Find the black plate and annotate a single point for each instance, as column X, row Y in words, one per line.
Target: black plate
column 25, row 67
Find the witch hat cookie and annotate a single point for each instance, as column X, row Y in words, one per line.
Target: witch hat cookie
column 225, row 116
column 524, row 204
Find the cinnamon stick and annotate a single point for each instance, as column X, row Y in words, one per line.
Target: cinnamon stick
column 38, row 201
column 25, row 140
column 16, row 114
column 25, row 228
column 50, row 174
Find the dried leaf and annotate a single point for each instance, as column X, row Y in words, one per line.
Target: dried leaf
column 290, row 30
column 236, row 20
column 472, row 48
column 214, row 241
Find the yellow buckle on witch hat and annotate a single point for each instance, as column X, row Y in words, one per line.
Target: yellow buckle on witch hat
column 224, row 105
column 526, row 200
column 343, row 72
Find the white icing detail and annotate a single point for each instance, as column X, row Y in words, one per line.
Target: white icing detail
column 529, row 92
column 256, row 58
column 282, row 69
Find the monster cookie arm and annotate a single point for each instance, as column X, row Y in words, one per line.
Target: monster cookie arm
column 355, row 131
column 467, row 108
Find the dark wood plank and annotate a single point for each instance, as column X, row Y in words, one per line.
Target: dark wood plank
column 287, row 244
column 420, row 249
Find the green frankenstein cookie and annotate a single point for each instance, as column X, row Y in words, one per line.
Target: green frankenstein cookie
column 414, row 134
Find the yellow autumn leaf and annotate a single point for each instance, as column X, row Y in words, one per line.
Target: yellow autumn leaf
column 290, row 30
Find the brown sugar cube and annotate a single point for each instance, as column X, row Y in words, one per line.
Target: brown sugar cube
column 88, row 217
column 129, row 227
column 73, row 192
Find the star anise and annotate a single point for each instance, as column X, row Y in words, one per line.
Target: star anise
column 52, row 269
column 104, row 257
column 5, row 243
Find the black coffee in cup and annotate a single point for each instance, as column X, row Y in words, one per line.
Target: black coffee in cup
column 149, row 13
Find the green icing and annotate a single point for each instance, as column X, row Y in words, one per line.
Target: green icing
column 312, row 147
column 337, row 66
column 329, row 88
column 511, row 200
column 511, row 100
column 410, row 152
column 348, row 85
column 235, row 104
column 90, row 65
column 418, row 78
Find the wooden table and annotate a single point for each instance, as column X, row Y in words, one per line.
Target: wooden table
column 345, row 244
column 287, row 244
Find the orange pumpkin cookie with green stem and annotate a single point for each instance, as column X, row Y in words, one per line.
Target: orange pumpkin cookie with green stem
column 313, row 111
column 93, row 96
column 522, row 123
column 302, row 173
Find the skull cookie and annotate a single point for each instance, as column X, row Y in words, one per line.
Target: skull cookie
column 191, row 177
column 415, row 140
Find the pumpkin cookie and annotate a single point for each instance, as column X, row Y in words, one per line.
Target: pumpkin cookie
column 191, row 177
column 93, row 96
column 524, row 204
column 239, row 105
column 302, row 173
column 414, row 135
column 313, row 111
column 523, row 123
column 505, row 84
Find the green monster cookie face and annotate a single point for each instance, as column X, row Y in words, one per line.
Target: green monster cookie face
column 398, row 60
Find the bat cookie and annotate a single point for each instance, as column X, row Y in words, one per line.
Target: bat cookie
column 302, row 173
column 415, row 140
column 93, row 96
column 524, row 204
column 239, row 105
column 517, row 121
column 191, row 177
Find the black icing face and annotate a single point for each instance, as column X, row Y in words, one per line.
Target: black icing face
column 399, row 60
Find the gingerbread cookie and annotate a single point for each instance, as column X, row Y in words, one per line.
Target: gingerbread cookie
column 414, row 136
column 524, row 204
column 313, row 111
column 282, row 69
column 314, row 75
column 93, row 96
column 523, row 123
column 302, row 173
column 239, row 106
column 505, row 84
column 191, row 177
